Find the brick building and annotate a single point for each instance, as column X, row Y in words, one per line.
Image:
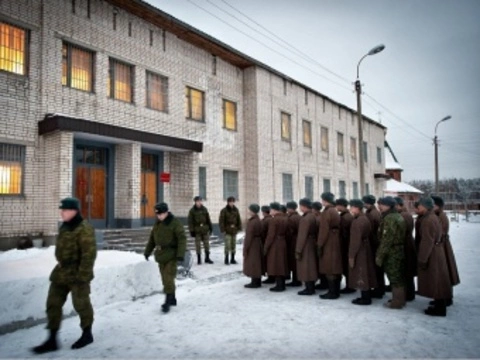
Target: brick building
column 121, row 105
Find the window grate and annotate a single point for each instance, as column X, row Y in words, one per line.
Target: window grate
column 287, row 182
column 202, row 182
column 13, row 53
column 12, row 163
column 157, row 92
column 230, row 184
column 120, row 85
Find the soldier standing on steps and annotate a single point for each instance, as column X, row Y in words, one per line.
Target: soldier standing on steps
column 75, row 252
column 230, row 224
column 168, row 239
column 200, row 227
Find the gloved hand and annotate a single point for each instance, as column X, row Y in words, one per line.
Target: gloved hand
column 192, row 233
column 146, row 256
column 298, row 256
column 351, row 262
column 423, row 266
column 179, row 259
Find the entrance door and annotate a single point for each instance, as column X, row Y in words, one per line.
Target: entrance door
column 91, row 183
column 148, row 188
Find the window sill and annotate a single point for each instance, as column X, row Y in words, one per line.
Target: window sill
column 122, row 101
column 10, row 73
column 231, row 130
column 83, row 91
column 157, row 110
column 196, row 120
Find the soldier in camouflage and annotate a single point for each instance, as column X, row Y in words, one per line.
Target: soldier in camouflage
column 391, row 251
column 168, row 239
column 200, row 227
column 75, row 253
column 230, row 224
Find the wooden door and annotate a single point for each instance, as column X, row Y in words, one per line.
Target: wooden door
column 149, row 194
column 97, row 193
column 82, row 184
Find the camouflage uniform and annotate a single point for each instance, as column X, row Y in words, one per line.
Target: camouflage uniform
column 390, row 252
column 75, row 252
column 168, row 239
column 230, row 223
column 200, row 225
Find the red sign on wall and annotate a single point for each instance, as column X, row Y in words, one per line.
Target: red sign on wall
column 165, row 177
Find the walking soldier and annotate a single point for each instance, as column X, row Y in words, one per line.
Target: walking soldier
column 75, row 253
column 168, row 239
column 200, row 227
column 230, row 224
column 293, row 221
column 345, row 223
column 253, row 248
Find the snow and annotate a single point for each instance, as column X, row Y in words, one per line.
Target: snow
column 390, row 163
column 218, row 318
column 393, row 186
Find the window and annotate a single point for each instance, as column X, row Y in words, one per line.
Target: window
column 326, row 185
column 120, row 84
column 307, row 133
column 194, row 104
column 230, row 184
column 12, row 161
column 229, row 115
column 324, row 139
column 339, row 144
column 355, row 190
column 287, row 184
column 157, row 92
column 367, row 189
column 379, row 155
column 309, row 187
column 365, row 151
column 77, row 67
column 342, row 189
column 13, row 49
column 202, row 182
column 286, row 118
column 353, row 148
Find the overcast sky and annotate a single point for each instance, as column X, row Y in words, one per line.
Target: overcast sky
column 429, row 69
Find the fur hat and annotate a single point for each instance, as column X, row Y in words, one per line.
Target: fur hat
column 275, row 206
column 161, row 208
column 357, row 203
column 437, row 200
column 328, row 197
column 292, row 205
column 341, row 202
column 69, row 203
column 306, row 202
column 399, row 200
column 254, row 208
column 387, row 201
column 426, row 202
column 317, row 205
column 266, row 209
column 369, row 199
column 197, row 198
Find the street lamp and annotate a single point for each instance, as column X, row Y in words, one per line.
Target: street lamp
column 358, row 89
column 435, row 142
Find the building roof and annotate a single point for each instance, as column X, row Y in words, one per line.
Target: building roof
column 196, row 37
column 391, row 162
column 393, row 186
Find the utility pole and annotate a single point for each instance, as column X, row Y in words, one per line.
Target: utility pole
column 435, row 143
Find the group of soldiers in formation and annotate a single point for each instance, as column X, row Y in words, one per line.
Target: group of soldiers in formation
column 347, row 238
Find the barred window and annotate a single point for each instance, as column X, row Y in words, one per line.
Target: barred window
column 230, row 184
column 342, row 189
column 194, row 104
column 286, row 126
column 365, row 151
column 287, row 182
column 309, row 187
column 379, row 155
column 157, row 92
column 202, row 182
column 229, row 115
column 120, row 84
column 340, row 146
column 355, row 190
column 77, row 67
column 324, row 139
column 353, row 148
column 13, row 49
column 326, row 185
column 307, row 133
column 367, row 189
column 12, row 162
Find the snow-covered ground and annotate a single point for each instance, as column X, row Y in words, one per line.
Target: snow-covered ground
column 217, row 317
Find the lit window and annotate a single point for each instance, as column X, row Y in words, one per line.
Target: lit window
column 194, row 104
column 77, row 68
column 286, row 127
column 324, row 139
column 12, row 49
column 353, row 148
column 120, row 84
column 307, row 133
column 157, row 92
column 12, row 159
column 229, row 115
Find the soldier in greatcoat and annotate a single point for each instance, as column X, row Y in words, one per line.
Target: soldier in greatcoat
column 433, row 276
column 317, row 211
column 329, row 247
column 345, row 223
column 418, row 222
column 305, row 248
column 293, row 223
column 253, row 248
column 276, row 247
column 266, row 217
column 449, row 254
column 360, row 258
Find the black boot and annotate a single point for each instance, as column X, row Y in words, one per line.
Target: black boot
column 347, row 289
column 280, row 284
column 333, row 292
column 365, row 299
column 388, row 288
column 232, row 259
column 85, row 339
column 199, row 259
column 309, row 288
column 207, row 258
column 255, row 283
column 439, row 309
column 170, row 300
column 378, row 293
column 49, row 345
column 323, row 284
column 226, row 259
column 294, row 282
column 269, row 280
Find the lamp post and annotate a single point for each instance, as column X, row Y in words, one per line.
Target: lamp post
column 435, row 142
column 358, row 90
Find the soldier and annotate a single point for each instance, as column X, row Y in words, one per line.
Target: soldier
column 433, row 276
column 253, row 248
column 449, row 254
column 374, row 216
column 305, row 252
column 317, row 210
column 345, row 223
column 418, row 223
column 230, row 224
column 329, row 247
column 276, row 247
column 266, row 219
column 391, row 252
column 410, row 252
column 75, row 252
column 200, row 227
column 360, row 259
column 293, row 221
column 168, row 239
